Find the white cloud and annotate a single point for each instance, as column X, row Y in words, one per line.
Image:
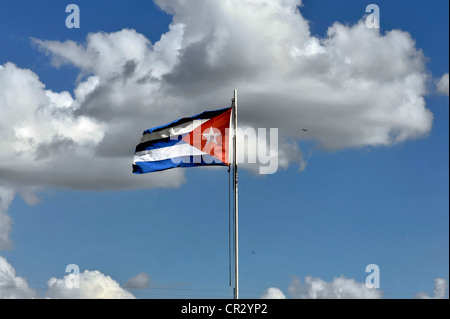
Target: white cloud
column 273, row 293
column 11, row 286
column 338, row 288
column 140, row 281
column 443, row 85
column 440, row 290
column 92, row 285
column 33, row 116
column 43, row 136
column 356, row 87
column 353, row 88
column 95, row 285
column 6, row 198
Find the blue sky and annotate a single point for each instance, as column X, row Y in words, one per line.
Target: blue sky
column 350, row 207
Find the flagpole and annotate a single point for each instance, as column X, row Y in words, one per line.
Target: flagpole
column 236, row 215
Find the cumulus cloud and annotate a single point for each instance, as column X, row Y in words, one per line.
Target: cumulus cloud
column 6, row 198
column 273, row 293
column 355, row 87
column 440, row 290
column 52, row 146
column 443, row 85
column 95, row 285
column 11, row 286
column 141, row 281
column 338, row 288
column 92, row 285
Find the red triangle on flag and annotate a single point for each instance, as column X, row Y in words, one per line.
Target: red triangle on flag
column 212, row 137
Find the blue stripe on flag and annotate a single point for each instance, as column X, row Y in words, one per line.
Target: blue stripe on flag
column 185, row 161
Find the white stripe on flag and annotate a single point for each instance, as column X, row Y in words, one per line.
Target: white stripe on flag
column 165, row 153
column 173, row 131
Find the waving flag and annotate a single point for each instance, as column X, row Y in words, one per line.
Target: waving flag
column 195, row 141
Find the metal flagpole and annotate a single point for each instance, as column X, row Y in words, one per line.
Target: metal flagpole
column 236, row 216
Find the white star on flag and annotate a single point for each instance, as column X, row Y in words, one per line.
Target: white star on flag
column 211, row 136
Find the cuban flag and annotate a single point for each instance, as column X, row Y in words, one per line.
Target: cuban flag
column 189, row 142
